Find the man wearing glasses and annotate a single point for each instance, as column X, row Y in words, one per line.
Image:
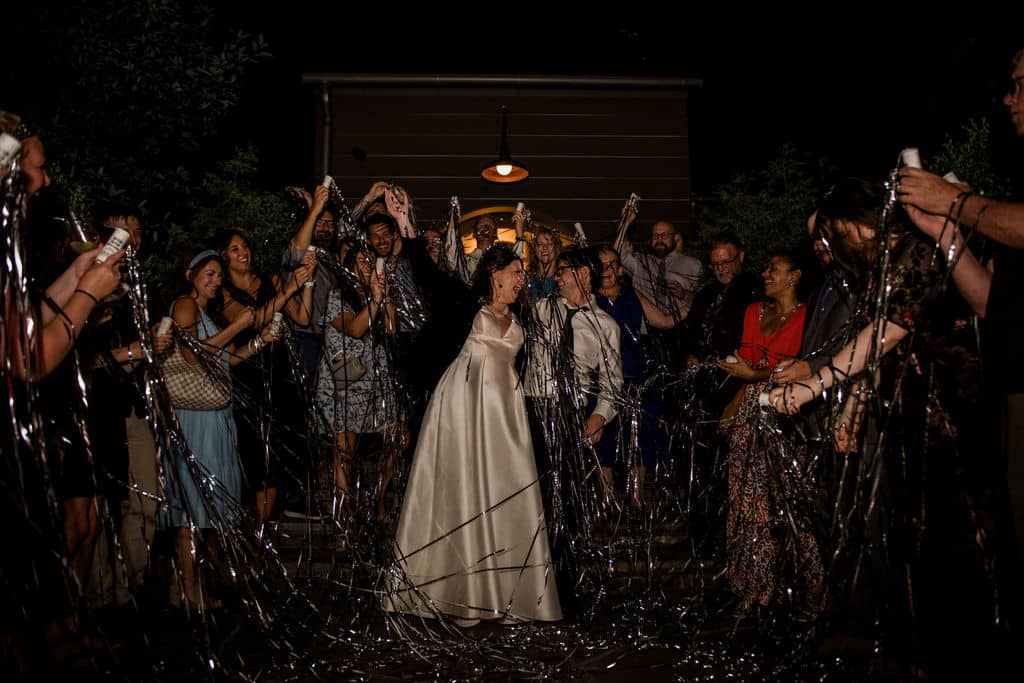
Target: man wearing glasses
column 317, row 230
column 486, row 234
column 573, row 383
column 715, row 324
column 664, row 275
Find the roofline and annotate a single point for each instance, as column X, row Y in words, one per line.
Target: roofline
column 452, row 80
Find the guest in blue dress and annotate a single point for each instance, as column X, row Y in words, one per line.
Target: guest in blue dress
column 204, row 485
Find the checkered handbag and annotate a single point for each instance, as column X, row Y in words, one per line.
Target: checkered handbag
column 203, row 385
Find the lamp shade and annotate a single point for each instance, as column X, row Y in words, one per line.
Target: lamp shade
column 505, row 169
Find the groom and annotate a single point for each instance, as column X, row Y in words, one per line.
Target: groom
column 573, row 380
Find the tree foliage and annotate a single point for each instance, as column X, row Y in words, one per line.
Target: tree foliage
column 969, row 155
column 228, row 200
column 147, row 87
column 766, row 208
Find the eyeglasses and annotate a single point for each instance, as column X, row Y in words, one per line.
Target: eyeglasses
column 1013, row 88
column 560, row 269
column 721, row 264
column 663, row 237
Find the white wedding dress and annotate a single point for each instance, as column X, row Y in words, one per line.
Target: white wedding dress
column 471, row 539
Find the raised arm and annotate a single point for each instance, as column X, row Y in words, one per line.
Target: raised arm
column 357, row 324
column 300, row 309
column 452, row 247
column 58, row 335
column 519, row 221
column 376, row 190
column 397, row 201
column 626, row 219
column 304, row 235
column 60, row 291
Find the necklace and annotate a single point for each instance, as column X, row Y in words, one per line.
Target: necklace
column 782, row 318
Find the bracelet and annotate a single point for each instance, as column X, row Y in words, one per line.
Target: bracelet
column 82, row 291
column 821, row 383
column 308, row 284
column 977, row 216
column 961, row 199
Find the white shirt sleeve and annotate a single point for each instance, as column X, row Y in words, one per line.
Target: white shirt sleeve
column 609, row 370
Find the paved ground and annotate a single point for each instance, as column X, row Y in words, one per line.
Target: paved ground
column 321, row 622
column 654, row 610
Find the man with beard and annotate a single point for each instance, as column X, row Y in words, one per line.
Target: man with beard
column 665, row 276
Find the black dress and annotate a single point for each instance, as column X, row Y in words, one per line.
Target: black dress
column 269, row 405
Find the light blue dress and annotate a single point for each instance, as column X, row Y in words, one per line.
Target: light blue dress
column 209, row 490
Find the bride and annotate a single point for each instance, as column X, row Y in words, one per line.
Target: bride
column 471, row 540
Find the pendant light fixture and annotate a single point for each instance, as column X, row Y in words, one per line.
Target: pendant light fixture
column 504, row 170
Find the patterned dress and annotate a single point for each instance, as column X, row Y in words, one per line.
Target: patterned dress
column 367, row 405
column 769, row 540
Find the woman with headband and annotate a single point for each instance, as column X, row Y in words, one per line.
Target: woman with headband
column 205, row 493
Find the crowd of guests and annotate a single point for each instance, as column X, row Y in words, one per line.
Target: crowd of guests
column 520, row 394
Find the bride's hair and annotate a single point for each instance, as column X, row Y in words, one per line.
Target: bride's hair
column 495, row 258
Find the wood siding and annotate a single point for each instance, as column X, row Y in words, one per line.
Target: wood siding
column 587, row 148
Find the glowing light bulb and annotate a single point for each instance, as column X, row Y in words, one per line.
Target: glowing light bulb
column 503, row 169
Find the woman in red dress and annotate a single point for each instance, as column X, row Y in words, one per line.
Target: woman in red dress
column 771, row 551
